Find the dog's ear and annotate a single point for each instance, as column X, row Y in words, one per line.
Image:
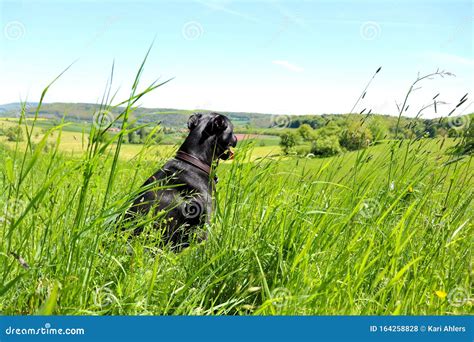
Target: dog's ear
column 219, row 124
column 193, row 121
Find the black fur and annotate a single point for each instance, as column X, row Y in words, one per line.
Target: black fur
column 187, row 200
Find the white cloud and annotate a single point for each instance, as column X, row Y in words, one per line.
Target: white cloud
column 289, row 66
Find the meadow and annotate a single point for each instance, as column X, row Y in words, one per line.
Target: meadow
column 383, row 230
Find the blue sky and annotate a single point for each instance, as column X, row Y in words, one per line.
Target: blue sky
column 300, row 57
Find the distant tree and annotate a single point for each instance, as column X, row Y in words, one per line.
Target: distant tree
column 330, row 128
column 103, row 137
column 377, row 128
column 14, row 133
column 355, row 136
column 306, row 132
column 454, row 133
column 442, row 132
column 325, row 141
column 430, row 128
column 133, row 138
column 142, row 133
column 156, row 137
column 326, row 146
column 288, row 141
column 466, row 145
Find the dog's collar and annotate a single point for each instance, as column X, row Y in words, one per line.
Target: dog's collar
column 190, row 159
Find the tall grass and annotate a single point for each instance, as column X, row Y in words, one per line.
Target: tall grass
column 386, row 230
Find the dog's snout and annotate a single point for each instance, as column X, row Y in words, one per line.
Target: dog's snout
column 234, row 140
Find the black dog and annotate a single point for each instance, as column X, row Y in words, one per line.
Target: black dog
column 184, row 186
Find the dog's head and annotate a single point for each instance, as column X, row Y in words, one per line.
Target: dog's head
column 214, row 130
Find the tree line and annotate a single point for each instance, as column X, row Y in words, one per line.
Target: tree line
column 328, row 136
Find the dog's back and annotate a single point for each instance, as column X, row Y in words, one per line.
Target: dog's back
column 182, row 197
column 178, row 197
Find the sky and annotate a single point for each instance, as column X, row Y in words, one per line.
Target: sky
column 293, row 57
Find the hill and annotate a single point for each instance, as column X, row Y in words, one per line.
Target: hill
column 244, row 122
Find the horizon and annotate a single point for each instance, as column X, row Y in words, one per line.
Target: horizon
column 235, row 56
column 197, row 110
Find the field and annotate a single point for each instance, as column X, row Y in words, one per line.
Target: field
column 383, row 230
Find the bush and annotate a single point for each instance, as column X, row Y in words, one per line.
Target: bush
column 355, row 136
column 133, row 138
column 157, row 137
column 325, row 141
column 306, row 132
column 288, row 141
column 14, row 133
column 326, row 146
column 377, row 128
column 466, row 145
column 303, row 150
